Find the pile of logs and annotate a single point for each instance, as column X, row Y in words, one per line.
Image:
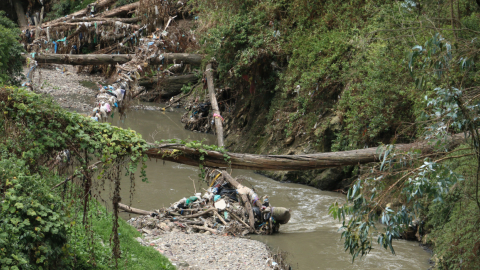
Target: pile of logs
column 146, row 45
column 226, row 207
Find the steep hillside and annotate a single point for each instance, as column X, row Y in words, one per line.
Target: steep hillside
column 314, row 76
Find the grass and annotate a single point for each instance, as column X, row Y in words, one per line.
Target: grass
column 134, row 255
column 88, row 84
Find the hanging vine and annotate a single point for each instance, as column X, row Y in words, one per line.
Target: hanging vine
column 50, row 139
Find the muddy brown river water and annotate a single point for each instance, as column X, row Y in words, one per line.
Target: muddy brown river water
column 311, row 238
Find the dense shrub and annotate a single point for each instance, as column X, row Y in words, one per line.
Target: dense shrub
column 33, row 228
column 10, row 51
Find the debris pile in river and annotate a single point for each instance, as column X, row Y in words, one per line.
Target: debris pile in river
column 226, row 207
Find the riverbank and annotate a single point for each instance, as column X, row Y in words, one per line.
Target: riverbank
column 76, row 92
column 311, row 238
column 208, row 251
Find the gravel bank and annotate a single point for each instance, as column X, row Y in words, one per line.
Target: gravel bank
column 64, row 85
column 206, row 251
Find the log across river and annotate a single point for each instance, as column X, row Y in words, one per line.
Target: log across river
column 311, row 238
column 190, row 156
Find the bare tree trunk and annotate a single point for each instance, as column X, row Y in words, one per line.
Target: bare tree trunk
column 83, row 59
column 120, row 10
column 213, row 100
column 38, row 24
column 22, row 20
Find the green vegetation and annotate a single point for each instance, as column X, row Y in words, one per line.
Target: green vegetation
column 33, row 230
column 40, row 230
column 348, row 75
column 44, row 227
column 65, row 7
column 124, row 2
column 88, row 84
column 10, row 51
column 136, row 256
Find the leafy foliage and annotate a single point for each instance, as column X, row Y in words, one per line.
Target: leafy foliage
column 33, row 228
column 44, row 128
column 10, row 51
column 430, row 184
column 453, row 223
column 66, row 7
column 38, row 132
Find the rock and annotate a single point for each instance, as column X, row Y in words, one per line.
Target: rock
column 146, row 231
column 183, row 264
column 289, row 141
column 328, row 179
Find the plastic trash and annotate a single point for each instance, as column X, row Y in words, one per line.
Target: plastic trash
column 208, row 195
column 190, row 200
column 253, row 196
column 216, row 198
column 221, row 204
column 281, row 214
column 231, row 193
column 257, row 213
column 266, row 202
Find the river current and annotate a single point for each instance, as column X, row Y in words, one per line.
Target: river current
column 311, row 238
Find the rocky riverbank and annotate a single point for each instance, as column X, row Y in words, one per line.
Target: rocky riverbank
column 75, row 91
column 70, row 89
column 209, row 251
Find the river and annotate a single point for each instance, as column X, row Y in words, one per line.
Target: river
column 311, row 238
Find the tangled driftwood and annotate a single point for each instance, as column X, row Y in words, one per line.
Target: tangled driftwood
column 227, row 207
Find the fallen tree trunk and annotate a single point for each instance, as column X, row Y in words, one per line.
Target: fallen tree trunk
column 123, row 10
column 186, row 58
column 83, row 59
column 112, row 22
column 129, row 209
column 191, row 156
column 82, row 12
column 106, row 59
column 216, row 111
column 95, row 19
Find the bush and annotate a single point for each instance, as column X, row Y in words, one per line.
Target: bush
column 33, row 229
column 453, row 225
column 10, row 51
column 66, row 7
